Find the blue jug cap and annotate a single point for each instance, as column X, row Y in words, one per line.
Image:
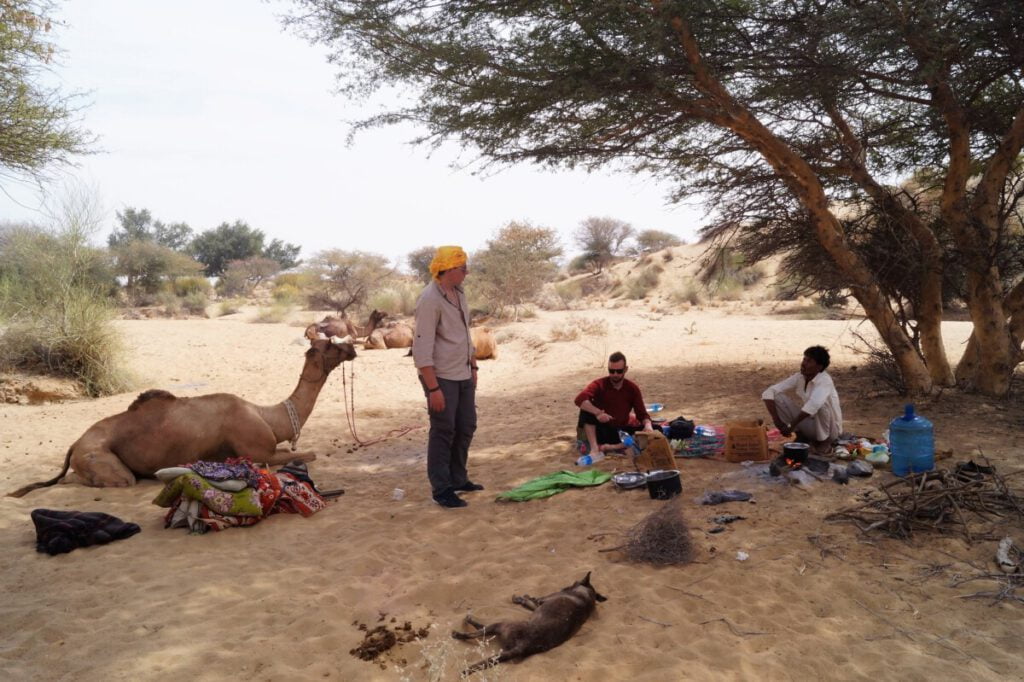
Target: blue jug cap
column 908, row 412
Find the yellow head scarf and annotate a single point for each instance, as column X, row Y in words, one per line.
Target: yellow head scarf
column 447, row 258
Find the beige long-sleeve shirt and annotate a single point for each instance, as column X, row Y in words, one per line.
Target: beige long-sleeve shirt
column 442, row 334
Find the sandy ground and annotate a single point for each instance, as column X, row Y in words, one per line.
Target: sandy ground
column 284, row 599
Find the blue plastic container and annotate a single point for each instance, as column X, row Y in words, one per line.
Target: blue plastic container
column 911, row 443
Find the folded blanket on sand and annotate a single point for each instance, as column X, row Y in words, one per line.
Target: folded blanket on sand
column 552, row 484
column 58, row 532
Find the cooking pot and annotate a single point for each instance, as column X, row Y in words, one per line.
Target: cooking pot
column 796, row 452
column 664, row 484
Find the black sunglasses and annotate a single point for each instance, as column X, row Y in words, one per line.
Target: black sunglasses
column 616, row 371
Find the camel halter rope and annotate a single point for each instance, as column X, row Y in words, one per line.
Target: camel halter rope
column 294, row 417
column 349, row 394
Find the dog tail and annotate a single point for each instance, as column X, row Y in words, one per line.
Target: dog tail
column 20, row 492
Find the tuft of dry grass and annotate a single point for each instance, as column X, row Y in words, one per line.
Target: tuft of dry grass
column 575, row 327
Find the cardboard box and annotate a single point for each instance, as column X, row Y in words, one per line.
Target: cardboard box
column 745, row 440
column 655, row 451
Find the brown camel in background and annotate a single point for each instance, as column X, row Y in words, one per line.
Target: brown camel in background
column 342, row 326
column 159, row 430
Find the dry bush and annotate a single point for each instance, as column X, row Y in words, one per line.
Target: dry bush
column 691, row 293
column 229, row 307
column 272, row 314
column 661, row 538
column 640, row 286
column 195, row 303
column 576, row 326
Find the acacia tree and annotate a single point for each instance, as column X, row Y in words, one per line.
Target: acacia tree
column 38, row 126
column 514, row 265
column 829, row 99
column 347, row 278
column 601, row 240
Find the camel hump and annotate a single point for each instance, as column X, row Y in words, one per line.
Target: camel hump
column 151, row 394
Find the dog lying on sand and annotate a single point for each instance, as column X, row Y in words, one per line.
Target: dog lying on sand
column 555, row 619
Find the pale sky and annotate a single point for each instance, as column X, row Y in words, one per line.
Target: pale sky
column 210, row 112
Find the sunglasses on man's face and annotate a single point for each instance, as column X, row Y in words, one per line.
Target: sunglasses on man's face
column 616, row 371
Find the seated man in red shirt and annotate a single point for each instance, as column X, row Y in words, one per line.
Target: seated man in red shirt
column 605, row 405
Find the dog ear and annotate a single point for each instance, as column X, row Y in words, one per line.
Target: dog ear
column 598, row 596
column 586, row 580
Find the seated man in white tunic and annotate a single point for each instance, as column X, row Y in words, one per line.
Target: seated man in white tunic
column 807, row 404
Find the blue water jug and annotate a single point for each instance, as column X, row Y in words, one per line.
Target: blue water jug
column 911, row 443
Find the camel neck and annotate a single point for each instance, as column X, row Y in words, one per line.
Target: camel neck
column 303, row 399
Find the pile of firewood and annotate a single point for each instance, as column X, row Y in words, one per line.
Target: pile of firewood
column 941, row 500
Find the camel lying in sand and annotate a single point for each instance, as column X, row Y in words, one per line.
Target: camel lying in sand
column 342, row 326
column 484, row 343
column 159, row 430
column 392, row 335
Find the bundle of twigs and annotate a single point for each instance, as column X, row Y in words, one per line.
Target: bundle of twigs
column 938, row 500
column 661, row 538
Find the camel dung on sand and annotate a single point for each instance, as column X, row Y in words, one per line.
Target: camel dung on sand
column 159, row 430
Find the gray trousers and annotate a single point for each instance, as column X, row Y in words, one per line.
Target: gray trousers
column 451, row 432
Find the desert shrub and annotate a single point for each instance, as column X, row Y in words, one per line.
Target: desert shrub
column 229, row 307
column 398, row 299
column 667, row 256
column 299, row 280
column 640, row 286
column 749, row 276
column 169, row 302
column 833, row 298
column 271, row 314
column 569, row 291
column 729, row 290
column 233, row 283
column 184, row 286
column 577, row 326
column 55, row 301
column 195, row 303
column 691, row 293
column 72, row 338
column 287, row 294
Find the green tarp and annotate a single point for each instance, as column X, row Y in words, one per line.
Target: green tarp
column 555, row 483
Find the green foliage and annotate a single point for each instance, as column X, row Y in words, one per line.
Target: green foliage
column 167, row 300
column 38, row 126
column 514, row 265
column 419, row 262
column 185, row 286
column 138, row 225
column 285, row 255
column 227, row 242
column 347, row 278
column 145, row 265
column 54, row 298
column 71, row 337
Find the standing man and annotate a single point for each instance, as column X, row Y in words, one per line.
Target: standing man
column 605, row 405
column 444, row 358
column 814, row 415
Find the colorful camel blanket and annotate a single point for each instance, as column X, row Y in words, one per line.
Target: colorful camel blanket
column 58, row 532
column 552, row 484
column 198, row 504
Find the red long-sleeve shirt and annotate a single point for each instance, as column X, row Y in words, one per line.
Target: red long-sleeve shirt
column 616, row 402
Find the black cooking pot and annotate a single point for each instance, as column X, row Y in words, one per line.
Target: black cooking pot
column 796, row 452
column 664, row 485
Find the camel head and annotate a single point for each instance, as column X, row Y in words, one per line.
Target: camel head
column 329, row 353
